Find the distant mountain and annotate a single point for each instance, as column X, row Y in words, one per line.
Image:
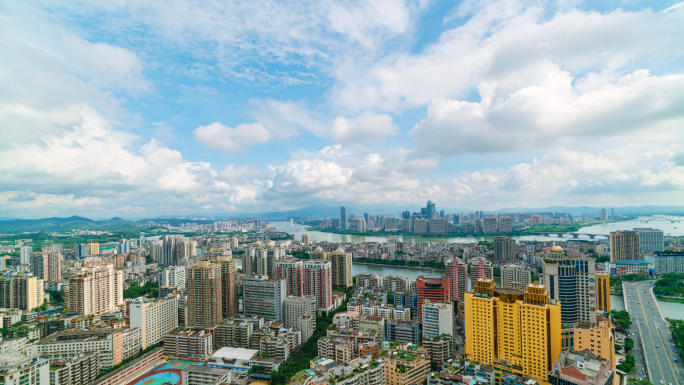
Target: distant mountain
column 626, row 210
column 55, row 224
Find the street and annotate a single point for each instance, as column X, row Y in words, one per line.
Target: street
column 654, row 340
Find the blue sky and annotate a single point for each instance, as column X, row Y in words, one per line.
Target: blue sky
column 137, row 108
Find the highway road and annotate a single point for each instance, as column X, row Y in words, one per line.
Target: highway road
column 656, row 345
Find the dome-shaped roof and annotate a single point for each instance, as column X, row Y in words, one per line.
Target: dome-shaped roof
column 339, row 250
column 318, row 249
column 556, row 249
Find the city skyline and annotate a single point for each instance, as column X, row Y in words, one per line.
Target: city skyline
column 144, row 109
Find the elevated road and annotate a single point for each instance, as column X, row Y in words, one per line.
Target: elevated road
column 656, row 345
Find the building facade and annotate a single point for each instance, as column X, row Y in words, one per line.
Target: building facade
column 457, row 272
column 438, row 318
column 341, row 262
column 318, row 282
column 263, row 297
column 515, row 277
column 154, row 317
column 204, row 309
column 95, row 290
column 433, row 289
column 650, row 239
column 625, row 246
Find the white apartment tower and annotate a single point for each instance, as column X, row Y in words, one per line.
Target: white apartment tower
column 94, row 290
column 155, row 318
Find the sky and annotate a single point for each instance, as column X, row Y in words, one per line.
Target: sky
column 140, row 108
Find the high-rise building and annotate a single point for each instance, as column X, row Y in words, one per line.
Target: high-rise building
column 263, row 297
column 515, row 277
column 343, row 217
column 291, row 270
column 47, row 265
column 572, row 282
column 505, row 224
column 169, row 255
column 300, row 314
column 318, row 282
column 25, row 254
column 393, row 284
column 173, row 276
column 512, row 330
column 612, row 213
column 504, row 249
column 434, row 289
column 305, row 239
column 598, row 338
column 154, row 317
column 457, row 272
column 481, row 268
column 320, row 254
column 431, row 210
column 406, row 225
column 405, row 215
column 94, row 248
column 625, row 246
column 438, row 318
column 341, row 262
column 94, row 290
column 603, row 292
column 489, row 225
column 262, row 261
column 19, row 369
column 20, row 292
column 438, row 225
column 156, row 250
column 204, row 295
column 229, row 286
column 603, row 215
column 650, row 239
column 421, row 226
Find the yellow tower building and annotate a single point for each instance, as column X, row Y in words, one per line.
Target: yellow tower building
column 603, row 292
column 599, row 338
column 513, row 330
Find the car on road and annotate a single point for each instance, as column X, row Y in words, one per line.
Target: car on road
column 661, row 381
column 657, row 346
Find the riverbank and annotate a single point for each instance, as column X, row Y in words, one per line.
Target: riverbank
column 400, row 267
column 666, row 299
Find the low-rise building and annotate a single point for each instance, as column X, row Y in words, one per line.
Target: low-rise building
column 63, row 345
column 204, row 375
column 403, row 331
column 241, row 360
column 580, row 368
column 440, row 348
column 19, row 369
column 405, row 364
column 338, row 349
column 360, row 371
column 274, row 347
column 232, row 333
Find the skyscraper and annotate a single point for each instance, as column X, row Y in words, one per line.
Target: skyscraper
column 94, row 290
column 47, row 265
column 650, row 239
column 603, row 214
column 457, row 272
column 341, row 269
column 489, row 225
column 318, row 282
column 20, row 292
column 434, row 289
column 515, row 277
column 438, row 318
column 229, row 286
column 25, row 254
column 430, row 210
column 513, row 330
column 343, row 217
column 204, row 295
column 169, row 250
column 504, row 249
column 505, row 224
column 625, row 246
column 572, row 281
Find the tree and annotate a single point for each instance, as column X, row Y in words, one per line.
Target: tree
column 622, row 318
column 629, row 344
column 634, row 381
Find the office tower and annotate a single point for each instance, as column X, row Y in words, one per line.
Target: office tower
column 366, row 218
column 341, row 269
column 625, row 246
column 650, row 239
column 343, row 217
column 457, row 272
column 20, row 292
column 229, row 286
column 504, row 249
column 421, row 226
column 300, row 314
column 204, row 295
column 335, row 223
column 291, row 270
column 263, row 297
column 572, row 282
column 169, row 255
column 430, row 210
column 438, row 318
column 481, row 268
column 173, row 276
column 318, row 282
column 94, row 290
column 505, row 224
column 515, row 277
column 156, row 251
column 603, row 215
column 154, row 317
column 612, row 213
column 603, row 292
column 434, row 289
column 406, row 215
column 489, row 225
column 357, row 224
column 406, row 226
column 25, row 254
column 512, row 330
column 305, row 239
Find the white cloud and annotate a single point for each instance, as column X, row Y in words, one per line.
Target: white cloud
column 551, row 111
column 287, row 119
column 220, row 137
column 365, row 127
column 364, row 20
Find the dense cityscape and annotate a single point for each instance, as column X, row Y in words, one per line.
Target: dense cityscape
column 241, row 301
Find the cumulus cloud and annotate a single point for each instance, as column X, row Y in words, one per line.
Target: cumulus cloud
column 365, row 127
column 551, row 110
column 220, row 137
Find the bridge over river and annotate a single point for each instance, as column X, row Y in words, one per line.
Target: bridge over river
column 570, row 235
